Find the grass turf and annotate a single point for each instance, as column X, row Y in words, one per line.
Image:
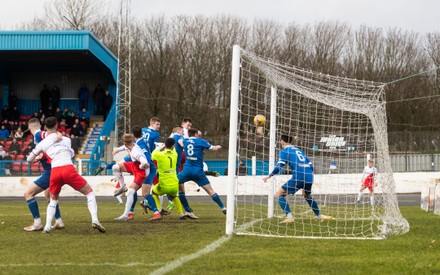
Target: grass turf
column 141, row 247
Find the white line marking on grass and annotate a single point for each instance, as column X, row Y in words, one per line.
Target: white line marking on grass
column 80, row 264
column 209, row 248
column 176, row 263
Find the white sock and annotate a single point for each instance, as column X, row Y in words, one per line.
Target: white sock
column 289, row 216
column 119, row 198
column 372, row 199
column 93, row 207
column 37, row 221
column 359, row 196
column 161, row 202
column 118, row 174
column 129, row 202
column 59, row 220
column 51, row 208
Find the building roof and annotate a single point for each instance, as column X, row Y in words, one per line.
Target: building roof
column 55, row 51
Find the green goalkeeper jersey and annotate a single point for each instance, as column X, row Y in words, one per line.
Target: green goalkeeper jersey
column 166, row 166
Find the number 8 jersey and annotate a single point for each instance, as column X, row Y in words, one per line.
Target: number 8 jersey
column 194, row 151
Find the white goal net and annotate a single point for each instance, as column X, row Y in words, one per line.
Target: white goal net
column 338, row 123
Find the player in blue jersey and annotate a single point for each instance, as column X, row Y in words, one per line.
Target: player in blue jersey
column 177, row 135
column 40, row 184
column 146, row 183
column 151, row 134
column 194, row 147
column 302, row 178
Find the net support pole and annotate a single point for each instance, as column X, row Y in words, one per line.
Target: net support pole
column 232, row 155
column 254, row 165
column 272, row 145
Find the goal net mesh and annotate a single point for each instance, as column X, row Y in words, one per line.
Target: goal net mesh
column 337, row 122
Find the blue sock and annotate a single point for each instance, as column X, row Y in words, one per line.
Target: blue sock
column 57, row 211
column 151, row 202
column 33, row 207
column 217, row 199
column 284, row 205
column 135, row 198
column 314, row 205
column 184, row 202
column 109, row 166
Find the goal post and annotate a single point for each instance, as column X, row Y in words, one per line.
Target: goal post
column 338, row 123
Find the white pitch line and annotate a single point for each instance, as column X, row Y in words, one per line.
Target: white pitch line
column 79, row 264
column 207, row 249
column 176, row 263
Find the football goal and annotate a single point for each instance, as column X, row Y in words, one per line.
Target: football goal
column 339, row 123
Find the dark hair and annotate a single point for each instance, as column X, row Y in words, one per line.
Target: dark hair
column 186, row 119
column 169, row 143
column 286, row 138
column 192, row 132
column 137, row 131
column 51, row 122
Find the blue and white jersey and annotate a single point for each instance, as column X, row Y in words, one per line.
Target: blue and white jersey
column 141, row 143
column 38, row 137
column 179, row 149
column 150, row 136
column 301, row 166
column 194, row 152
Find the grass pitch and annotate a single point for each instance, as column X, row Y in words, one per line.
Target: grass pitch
column 142, row 247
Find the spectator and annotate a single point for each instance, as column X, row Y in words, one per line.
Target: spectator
column 66, row 112
column 12, row 100
column 35, row 115
column 108, row 101
column 56, row 95
column 14, row 114
column 2, row 152
column 77, row 129
column 70, row 120
column 45, row 94
column 83, row 96
column 18, row 134
column 5, row 112
column 84, row 116
column 27, row 150
column 42, row 113
column 58, row 114
column 98, row 97
column 14, row 148
column 76, row 143
column 24, row 129
column 49, row 112
column 7, row 125
column 14, row 128
column 42, row 123
column 4, row 133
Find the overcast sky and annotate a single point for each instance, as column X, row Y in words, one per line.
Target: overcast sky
column 413, row 15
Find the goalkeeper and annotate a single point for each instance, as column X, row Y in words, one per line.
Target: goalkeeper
column 166, row 158
column 302, row 178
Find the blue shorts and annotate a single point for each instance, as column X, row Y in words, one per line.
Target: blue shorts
column 44, row 180
column 150, row 177
column 293, row 185
column 192, row 174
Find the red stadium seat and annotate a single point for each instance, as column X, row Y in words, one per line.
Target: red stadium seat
column 20, row 157
column 25, row 167
column 16, row 167
column 35, row 168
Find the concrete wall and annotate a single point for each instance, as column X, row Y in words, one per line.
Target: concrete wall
column 349, row 183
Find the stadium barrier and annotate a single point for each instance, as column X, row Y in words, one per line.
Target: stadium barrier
column 324, row 184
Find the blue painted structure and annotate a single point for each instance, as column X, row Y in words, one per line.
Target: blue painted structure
column 56, row 56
